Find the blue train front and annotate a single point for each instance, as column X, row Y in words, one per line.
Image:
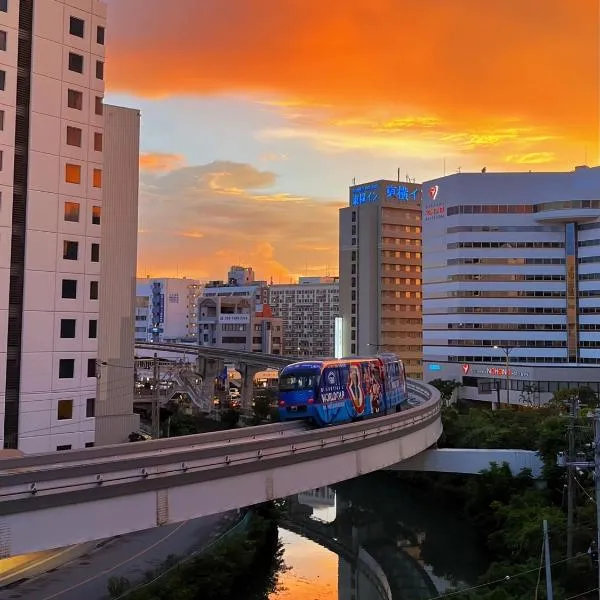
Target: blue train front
column 338, row 391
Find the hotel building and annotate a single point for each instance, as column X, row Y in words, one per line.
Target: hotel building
column 511, row 281
column 380, row 271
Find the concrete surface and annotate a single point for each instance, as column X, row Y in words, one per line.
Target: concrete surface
column 129, row 556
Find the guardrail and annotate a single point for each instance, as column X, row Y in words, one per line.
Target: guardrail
column 37, row 482
column 251, row 358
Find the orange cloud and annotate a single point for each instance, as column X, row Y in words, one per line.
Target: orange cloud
column 216, row 211
column 464, row 64
column 157, row 161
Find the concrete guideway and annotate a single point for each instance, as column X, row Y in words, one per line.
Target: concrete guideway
column 103, row 492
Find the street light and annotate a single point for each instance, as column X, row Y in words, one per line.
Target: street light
column 507, row 350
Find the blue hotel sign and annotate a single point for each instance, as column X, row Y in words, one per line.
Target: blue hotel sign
column 369, row 193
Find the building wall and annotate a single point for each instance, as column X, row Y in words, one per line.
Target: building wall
column 233, row 323
column 380, row 272
column 496, row 272
column 9, row 22
column 308, row 311
column 51, row 148
column 179, row 298
column 115, row 385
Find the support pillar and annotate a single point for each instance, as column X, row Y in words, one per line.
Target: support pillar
column 248, row 373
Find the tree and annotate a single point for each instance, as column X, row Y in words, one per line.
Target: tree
column 446, row 388
column 583, row 395
column 230, row 418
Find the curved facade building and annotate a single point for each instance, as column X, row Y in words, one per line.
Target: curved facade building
column 511, row 281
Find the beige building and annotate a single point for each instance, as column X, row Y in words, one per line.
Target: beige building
column 115, row 373
column 308, row 310
column 234, row 323
column 380, row 272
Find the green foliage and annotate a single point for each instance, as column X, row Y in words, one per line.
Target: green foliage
column 230, row 418
column 446, row 388
column 508, row 510
column 243, row 565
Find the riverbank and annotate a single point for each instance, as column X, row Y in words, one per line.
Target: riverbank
column 242, row 563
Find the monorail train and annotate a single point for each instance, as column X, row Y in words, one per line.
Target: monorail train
column 333, row 391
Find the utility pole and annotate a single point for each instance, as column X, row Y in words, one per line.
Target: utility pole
column 586, row 464
column 156, row 400
column 596, row 417
column 548, row 562
column 570, row 476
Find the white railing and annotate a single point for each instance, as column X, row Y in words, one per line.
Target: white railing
column 36, row 482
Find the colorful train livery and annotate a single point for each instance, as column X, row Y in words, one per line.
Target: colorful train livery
column 333, row 391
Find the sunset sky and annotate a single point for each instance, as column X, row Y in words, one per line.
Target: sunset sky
column 257, row 114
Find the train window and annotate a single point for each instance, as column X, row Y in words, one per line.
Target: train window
column 297, row 382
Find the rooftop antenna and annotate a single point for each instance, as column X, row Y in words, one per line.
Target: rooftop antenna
column 444, row 167
column 398, row 174
column 484, row 170
column 459, row 169
column 585, row 155
column 354, row 181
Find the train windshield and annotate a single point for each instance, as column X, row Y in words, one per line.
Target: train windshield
column 298, row 381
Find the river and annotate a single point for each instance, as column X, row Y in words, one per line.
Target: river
column 374, row 538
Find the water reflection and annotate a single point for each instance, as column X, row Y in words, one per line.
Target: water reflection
column 372, row 539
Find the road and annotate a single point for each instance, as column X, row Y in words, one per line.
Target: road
column 129, row 556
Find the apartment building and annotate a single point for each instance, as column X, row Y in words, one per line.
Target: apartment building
column 307, row 310
column 380, row 271
column 237, row 323
column 52, row 145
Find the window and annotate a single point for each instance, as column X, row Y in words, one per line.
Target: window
column 95, row 253
column 74, row 136
column 99, row 108
column 67, row 328
column 89, row 444
column 75, row 99
column 90, row 408
column 69, row 288
column 100, row 35
column 65, row 410
column 63, row 447
column 91, row 367
column 96, row 215
column 75, row 62
column 97, row 141
column 70, row 250
column 66, row 368
column 93, row 290
column 72, row 212
column 97, row 178
column 93, row 329
column 4, row 5
column 1, row 159
column 2, row 40
column 76, row 26
column 72, row 173
column 2, row 80
column 99, row 69
column 1, row 120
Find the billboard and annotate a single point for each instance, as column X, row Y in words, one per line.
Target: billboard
column 374, row 192
column 435, row 206
column 237, row 319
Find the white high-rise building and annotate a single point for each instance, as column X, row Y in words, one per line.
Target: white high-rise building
column 510, row 282
column 51, row 176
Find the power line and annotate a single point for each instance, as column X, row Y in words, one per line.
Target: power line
column 504, row 579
